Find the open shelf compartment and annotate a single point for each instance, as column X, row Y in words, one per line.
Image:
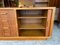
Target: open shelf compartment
column 31, row 32
column 32, row 23
column 32, row 13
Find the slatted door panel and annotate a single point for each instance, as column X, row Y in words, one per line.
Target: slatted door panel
column 5, row 24
column 9, row 24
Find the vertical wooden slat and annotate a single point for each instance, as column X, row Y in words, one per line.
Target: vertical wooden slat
column 16, row 22
column 1, row 26
column 1, row 31
column 48, row 22
column 52, row 21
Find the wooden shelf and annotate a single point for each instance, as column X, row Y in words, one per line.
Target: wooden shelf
column 32, row 17
column 32, row 33
column 32, row 26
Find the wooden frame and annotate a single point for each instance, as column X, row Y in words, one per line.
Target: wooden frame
column 49, row 27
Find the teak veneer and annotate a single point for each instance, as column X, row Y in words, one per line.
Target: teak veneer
column 16, row 25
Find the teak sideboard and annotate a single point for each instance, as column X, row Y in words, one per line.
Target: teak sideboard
column 33, row 23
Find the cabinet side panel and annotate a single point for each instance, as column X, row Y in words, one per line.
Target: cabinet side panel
column 48, row 22
column 52, row 21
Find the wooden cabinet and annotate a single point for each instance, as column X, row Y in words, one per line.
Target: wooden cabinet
column 26, row 23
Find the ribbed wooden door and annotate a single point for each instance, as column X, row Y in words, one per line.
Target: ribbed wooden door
column 8, row 23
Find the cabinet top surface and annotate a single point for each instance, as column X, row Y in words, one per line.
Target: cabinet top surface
column 29, row 8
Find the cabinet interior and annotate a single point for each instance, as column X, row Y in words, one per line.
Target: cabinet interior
column 31, row 22
column 31, row 32
column 32, row 13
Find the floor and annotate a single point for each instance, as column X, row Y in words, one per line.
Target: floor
column 52, row 41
